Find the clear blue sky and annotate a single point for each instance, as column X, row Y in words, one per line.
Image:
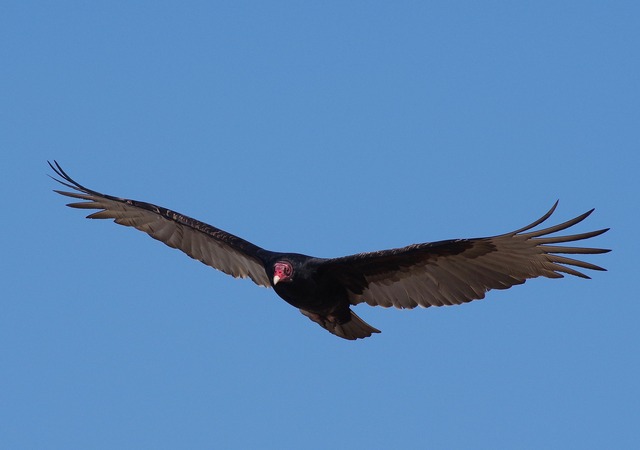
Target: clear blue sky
column 325, row 128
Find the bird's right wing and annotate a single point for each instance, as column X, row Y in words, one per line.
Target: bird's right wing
column 458, row 271
column 214, row 247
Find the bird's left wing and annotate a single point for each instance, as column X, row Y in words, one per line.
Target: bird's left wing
column 458, row 271
column 214, row 247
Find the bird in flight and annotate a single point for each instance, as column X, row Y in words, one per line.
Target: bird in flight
column 449, row 272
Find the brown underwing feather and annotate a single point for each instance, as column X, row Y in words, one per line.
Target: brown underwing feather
column 210, row 245
column 458, row 271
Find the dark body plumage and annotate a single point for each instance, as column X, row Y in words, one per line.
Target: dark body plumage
column 431, row 274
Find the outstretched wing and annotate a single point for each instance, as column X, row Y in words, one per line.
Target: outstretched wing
column 458, row 271
column 214, row 247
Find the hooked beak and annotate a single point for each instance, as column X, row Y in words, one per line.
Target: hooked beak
column 276, row 279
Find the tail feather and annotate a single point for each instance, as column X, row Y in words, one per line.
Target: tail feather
column 356, row 328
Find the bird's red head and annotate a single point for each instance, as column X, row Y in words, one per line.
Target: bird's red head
column 282, row 272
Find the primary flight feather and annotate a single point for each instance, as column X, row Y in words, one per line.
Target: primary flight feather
column 431, row 274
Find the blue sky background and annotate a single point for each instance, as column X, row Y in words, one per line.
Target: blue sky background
column 324, row 128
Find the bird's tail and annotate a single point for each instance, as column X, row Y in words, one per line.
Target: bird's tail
column 355, row 328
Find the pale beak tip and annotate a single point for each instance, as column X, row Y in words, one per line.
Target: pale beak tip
column 276, row 279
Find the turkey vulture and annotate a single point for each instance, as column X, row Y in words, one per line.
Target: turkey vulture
column 440, row 273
